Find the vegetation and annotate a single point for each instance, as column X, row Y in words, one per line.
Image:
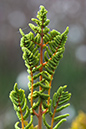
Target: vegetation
column 79, row 122
column 42, row 52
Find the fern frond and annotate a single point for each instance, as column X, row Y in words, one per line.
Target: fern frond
column 19, row 101
column 60, row 98
column 58, row 103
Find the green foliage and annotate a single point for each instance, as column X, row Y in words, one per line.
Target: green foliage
column 58, row 104
column 17, row 96
column 42, row 52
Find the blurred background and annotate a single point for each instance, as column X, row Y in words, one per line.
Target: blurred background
column 72, row 68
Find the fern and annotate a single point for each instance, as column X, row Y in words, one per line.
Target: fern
column 41, row 53
column 20, row 106
column 59, row 98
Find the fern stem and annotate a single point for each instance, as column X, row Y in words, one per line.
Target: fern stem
column 35, row 113
column 41, row 59
column 22, row 120
column 45, row 111
column 54, row 113
column 40, row 88
column 40, row 117
column 31, row 88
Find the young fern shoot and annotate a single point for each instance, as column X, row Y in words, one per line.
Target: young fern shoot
column 41, row 53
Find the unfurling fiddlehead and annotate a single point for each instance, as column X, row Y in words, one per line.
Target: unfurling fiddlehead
column 41, row 54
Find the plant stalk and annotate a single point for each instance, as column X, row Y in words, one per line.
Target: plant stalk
column 40, row 117
column 52, row 121
column 22, row 120
column 41, row 69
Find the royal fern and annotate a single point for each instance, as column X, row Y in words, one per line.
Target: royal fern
column 42, row 52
